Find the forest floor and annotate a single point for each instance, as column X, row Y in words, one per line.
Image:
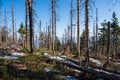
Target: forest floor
column 17, row 65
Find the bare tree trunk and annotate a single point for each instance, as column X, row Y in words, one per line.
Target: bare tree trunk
column 103, row 44
column 26, row 22
column 49, row 36
column 87, row 32
column 94, row 40
column 116, row 46
column 71, row 25
column 40, row 35
column 96, row 51
column 63, row 41
column 5, row 26
column 33, row 38
column 15, row 35
column 36, row 41
column 74, row 34
column 30, row 4
column 108, row 44
column 55, row 27
column 13, row 20
column 53, row 24
column 78, row 28
column 65, row 36
column 113, row 55
column 46, row 37
column 69, row 37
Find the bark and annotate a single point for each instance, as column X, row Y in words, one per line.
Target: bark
column 87, row 32
column 97, row 72
column 96, row 51
column 30, row 3
column 108, row 43
column 94, row 40
column 78, row 28
column 5, row 26
column 63, row 41
column 46, row 37
column 40, row 35
column 53, row 24
column 49, row 37
column 96, row 67
column 13, row 20
column 71, row 22
column 116, row 47
column 113, row 55
column 65, row 36
column 26, row 22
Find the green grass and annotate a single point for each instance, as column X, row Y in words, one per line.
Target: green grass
column 36, row 64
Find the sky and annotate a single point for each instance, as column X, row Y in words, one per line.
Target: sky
column 43, row 13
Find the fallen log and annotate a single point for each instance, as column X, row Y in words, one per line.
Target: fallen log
column 97, row 67
column 72, row 60
column 102, row 74
column 115, row 60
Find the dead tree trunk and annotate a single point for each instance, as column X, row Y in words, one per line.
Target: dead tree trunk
column 78, row 28
column 71, row 22
column 46, row 37
column 13, row 20
column 5, row 26
column 26, row 22
column 63, row 41
column 87, row 32
column 100, row 73
column 94, row 40
column 65, row 36
column 30, row 4
column 40, row 35
column 49, row 37
column 96, row 51
column 53, row 24
column 16, row 42
column 108, row 43
column 116, row 46
column 68, row 32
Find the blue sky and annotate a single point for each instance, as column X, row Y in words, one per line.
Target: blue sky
column 42, row 8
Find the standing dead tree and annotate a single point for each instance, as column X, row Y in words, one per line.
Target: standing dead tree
column 53, row 24
column 49, row 38
column 40, row 34
column 26, row 21
column 88, row 6
column 96, row 50
column 108, row 43
column 78, row 28
column 87, row 31
column 50, row 35
column 63, row 41
column 46, row 37
column 94, row 40
column 71, row 25
column 5, row 26
column 30, row 7
column 13, row 20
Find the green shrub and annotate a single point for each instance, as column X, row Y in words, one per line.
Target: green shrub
column 26, row 50
column 3, row 73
